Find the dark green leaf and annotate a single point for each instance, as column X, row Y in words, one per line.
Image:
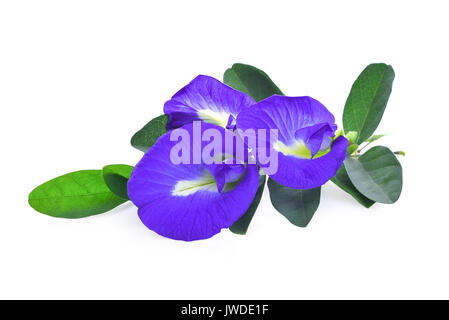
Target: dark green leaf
column 367, row 100
column 298, row 206
column 377, row 174
column 250, row 80
column 147, row 136
column 74, row 195
column 342, row 180
column 116, row 177
column 242, row 224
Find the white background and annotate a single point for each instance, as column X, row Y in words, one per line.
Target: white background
column 78, row 78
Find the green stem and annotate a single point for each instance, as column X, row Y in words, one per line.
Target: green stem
column 360, row 150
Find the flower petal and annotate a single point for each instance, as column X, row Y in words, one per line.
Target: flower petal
column 206, row 99
column 304, row 127
column 299, row 173
column 316, row 137
column 226, row 173
column 182, row 201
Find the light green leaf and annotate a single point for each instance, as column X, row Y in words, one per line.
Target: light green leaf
column 74, row 195
column 116, row 177
column 144, row 139
column 367, row 100
column 377, row 174
column 342, row 180
column 375, row 137
column 250, row 80
column 298, row 206
column 242, row 224
column 351, row 149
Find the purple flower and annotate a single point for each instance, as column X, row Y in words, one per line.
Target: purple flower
column 200, row 177
column 185, row 189
column 208, row 100
column 197, row 198
column 307, row 154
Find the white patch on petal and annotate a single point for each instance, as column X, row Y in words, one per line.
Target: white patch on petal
column 185, row 188
column 297, row 149
column 219, row 118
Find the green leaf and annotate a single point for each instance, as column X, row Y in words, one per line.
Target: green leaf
column 116, row 177
column 351, row 149
column 250, row 80
column 342, row 180
column 74, row 195
column 148, row 135
column 298, row 206
column 242, row 224
column 377, row 174
column 367, row 100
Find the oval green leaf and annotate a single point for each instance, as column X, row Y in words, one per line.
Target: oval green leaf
column 242, row 224
column 74, row 195
column 298, row 206
column 377, row 174
column 342, row 180
column 250, row 80
column 116, row 177
column 367, row 100
column 144, row 139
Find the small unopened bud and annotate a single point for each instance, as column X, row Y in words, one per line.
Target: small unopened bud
column 352, row 136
